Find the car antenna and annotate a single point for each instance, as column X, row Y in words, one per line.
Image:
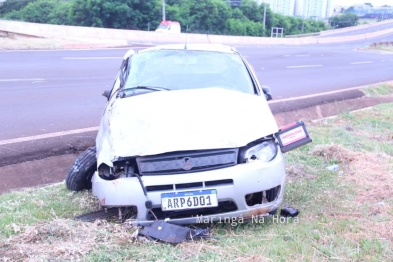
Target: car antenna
column 185, row 46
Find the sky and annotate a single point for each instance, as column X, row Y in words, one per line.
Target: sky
column 373, row 2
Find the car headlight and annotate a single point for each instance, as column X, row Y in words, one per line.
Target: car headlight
column 265, row 152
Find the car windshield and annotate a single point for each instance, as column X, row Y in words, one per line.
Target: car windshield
column 163, row 27
column 189, row 69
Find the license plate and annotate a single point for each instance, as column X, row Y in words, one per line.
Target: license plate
column 293, row 136
column 189, row 200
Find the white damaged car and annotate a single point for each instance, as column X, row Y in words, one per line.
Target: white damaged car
column 187, row 135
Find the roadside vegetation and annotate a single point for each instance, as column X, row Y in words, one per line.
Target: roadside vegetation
column 344, row 20
column 342, row 183
column 207, row 16
column 379, row 90
column 387, row 47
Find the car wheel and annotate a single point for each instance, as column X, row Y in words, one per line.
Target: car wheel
column 81, row 172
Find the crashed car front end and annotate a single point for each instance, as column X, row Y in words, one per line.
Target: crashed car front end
column 190, row 155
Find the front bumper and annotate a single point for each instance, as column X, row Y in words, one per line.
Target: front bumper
column 247, row 179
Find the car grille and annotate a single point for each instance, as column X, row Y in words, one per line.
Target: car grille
column 187, row 162
column 222, row 182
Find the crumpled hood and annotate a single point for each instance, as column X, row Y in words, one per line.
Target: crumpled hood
column 166, row 121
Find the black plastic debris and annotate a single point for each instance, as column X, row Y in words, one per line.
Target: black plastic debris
column 161, row 230
column 101, row 214
column 199, row 233
column 289, row 212
column 166, row 232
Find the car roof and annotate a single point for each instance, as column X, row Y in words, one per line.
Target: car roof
column 195, row 47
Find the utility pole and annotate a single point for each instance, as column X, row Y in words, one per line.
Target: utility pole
column 264, row 17
column 163, row 10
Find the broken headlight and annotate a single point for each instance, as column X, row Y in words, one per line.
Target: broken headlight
column 265, row 151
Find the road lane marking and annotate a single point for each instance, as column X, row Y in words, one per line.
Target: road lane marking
column 365, row 62
column 89, row 58
column 302, row 55
column 50, row 135
column 304, row 66
column 22, row 79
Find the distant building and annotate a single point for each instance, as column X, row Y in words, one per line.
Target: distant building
column 372, row 12
column 284, row 7
column 318, row 9
column 298, row 7
column 315, row 8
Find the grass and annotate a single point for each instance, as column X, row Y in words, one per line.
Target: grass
column 379, row 90
column 387, row 48
column 345, row 214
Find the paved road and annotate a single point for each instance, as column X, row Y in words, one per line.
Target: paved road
column 51, row 91
column 363, row 31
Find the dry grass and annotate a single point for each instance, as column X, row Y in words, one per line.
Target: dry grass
column 371, row 175
column 63, row 239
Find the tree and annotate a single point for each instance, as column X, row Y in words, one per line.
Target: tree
column 344, row 20
column 13, row 5
column 127, row 14
column 202, row 16
column 39, row 11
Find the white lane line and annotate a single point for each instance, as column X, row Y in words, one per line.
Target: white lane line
column 304, row 66
column 89, row 58
column 50, row 135
column 302, row 55
column 365, row 62
column 21, row 79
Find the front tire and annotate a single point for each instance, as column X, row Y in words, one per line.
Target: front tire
column 81, row 172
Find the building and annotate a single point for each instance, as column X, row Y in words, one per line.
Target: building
column 318, row 9
column 298, row 8
column 284, row 7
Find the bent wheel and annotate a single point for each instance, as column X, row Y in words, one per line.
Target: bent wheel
column 81, row 172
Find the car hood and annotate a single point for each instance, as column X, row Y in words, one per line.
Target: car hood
column 166, row 121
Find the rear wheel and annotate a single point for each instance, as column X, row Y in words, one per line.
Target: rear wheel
column 81, row 172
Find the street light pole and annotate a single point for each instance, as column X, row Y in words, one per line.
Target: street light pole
column 163, row 10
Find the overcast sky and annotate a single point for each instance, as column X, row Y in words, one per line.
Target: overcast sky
column 354, row 2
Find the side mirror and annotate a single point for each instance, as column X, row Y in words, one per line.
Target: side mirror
column 268, row 94
column 106, row 94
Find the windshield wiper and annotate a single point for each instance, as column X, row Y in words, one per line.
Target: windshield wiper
column 154, row 88
column 127, row 92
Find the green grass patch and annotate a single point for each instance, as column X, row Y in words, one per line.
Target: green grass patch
column 379, row 90
column 345, row 214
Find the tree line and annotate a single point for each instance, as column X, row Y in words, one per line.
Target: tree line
column 201, row 16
